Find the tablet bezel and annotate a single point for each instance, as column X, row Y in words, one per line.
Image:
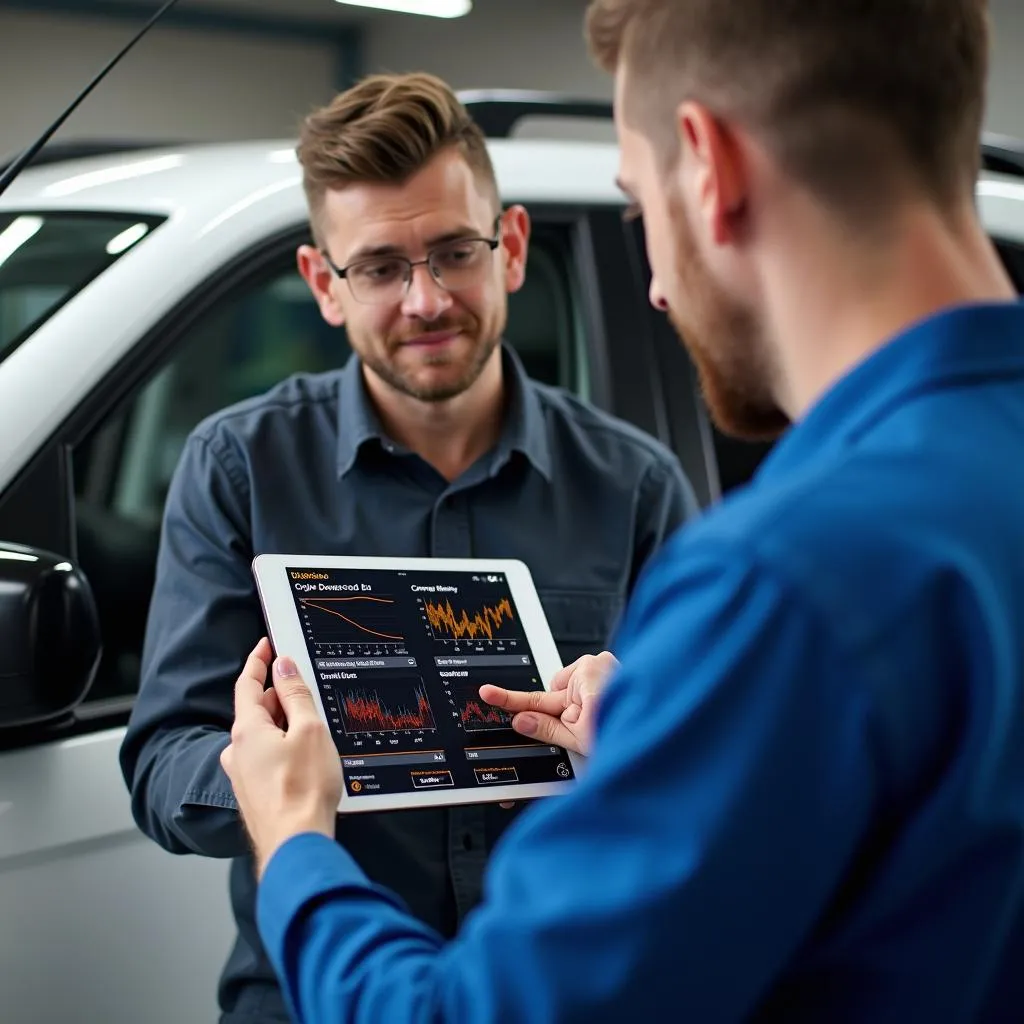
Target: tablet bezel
column 286, row 637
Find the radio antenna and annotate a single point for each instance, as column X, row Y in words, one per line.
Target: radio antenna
column 18, row 165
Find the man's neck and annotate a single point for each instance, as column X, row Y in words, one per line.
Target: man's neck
column 449, row 435
column 831, row 315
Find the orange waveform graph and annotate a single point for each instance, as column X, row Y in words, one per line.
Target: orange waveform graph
column 367, row 711
column 443, row 619
column 477, row 716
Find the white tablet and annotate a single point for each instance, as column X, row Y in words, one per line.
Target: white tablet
column 395, row 651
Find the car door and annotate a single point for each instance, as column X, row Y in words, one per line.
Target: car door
column 132, row 932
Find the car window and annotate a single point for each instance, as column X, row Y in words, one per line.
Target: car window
column 45, row 258
column 252, row 339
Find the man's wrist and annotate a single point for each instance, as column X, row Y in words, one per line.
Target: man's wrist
column 265, row 850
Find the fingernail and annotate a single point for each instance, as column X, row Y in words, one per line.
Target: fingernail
column 526, row 724
column 285, row 668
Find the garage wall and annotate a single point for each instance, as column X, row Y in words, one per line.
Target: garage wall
column 197, row 83
column 502, row 48
column 1006, row 85
column 178, row 83
column 529, row 44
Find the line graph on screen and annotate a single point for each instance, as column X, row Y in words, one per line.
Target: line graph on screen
column 359, row 619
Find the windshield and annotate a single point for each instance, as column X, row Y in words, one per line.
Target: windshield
column 45, row 258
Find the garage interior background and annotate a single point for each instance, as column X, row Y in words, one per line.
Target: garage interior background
column 237, row 69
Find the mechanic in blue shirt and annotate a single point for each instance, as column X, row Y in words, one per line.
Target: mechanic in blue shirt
column 432, row 441
column 805, row 799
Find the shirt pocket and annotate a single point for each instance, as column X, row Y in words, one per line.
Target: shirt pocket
column 581, row 621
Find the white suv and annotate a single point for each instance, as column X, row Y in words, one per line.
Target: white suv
column 139, row 292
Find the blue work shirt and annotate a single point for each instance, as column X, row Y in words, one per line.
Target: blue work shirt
column 582, row 498
column 806, row 800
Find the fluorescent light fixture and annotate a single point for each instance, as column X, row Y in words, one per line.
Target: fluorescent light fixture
column 126, row 239
column 125, row 172
column 429, row 8
column 16, row 234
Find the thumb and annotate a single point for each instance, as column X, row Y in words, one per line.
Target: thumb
column 544, row 729
column 292, row 692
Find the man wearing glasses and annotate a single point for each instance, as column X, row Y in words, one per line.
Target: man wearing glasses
column 432, row 441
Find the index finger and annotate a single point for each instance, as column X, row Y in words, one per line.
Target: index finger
column 249, row 688
column 514, row 701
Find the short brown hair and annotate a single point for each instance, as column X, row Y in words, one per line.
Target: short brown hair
column 856, row 98
column 383, row 130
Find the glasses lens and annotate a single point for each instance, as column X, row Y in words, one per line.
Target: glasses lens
column 460, row 264
column 378, row 281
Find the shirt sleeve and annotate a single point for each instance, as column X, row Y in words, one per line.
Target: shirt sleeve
column 204, row 618
column 730, row 785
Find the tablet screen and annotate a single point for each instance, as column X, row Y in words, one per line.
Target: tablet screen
column 399, row 658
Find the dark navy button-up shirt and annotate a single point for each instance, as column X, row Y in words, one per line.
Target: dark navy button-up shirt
column 806, row 800
column 582, row 498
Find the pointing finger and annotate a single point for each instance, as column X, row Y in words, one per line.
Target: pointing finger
column 524, row 700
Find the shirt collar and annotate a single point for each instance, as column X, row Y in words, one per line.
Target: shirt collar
column 966, row 343
column 524, row 429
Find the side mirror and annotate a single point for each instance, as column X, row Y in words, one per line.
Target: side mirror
column 49, row 636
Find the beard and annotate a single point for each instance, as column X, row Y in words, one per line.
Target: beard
column 380, row 361
column 728, row 346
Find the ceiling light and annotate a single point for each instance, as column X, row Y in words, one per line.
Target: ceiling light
column 430, row 8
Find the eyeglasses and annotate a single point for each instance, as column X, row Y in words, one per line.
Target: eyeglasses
column 456, row 265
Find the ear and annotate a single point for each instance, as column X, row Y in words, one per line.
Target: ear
column 716, row 172
column 515, row 243
column 320, row 279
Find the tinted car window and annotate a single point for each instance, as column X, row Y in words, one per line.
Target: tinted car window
column 45, row 258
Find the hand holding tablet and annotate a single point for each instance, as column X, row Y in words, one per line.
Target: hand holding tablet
column 395, row 652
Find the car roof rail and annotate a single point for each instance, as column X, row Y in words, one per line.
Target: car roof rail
column 498, row 111
column 1002, row 154
column 58, row 152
